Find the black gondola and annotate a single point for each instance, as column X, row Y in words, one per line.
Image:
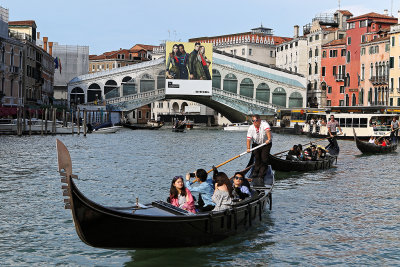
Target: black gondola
column 369, row 148
column 141, row 126
column 179, row 128
column 158, row 224
column 284, row 165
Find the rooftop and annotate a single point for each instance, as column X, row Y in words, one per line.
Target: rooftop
column 372, row 15
column 30, row 23
column 336, row 42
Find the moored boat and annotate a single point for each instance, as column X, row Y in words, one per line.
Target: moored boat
column 155, row 225
column 104, row 130
column 281, row 164
column 372, row 148
column 244, row 126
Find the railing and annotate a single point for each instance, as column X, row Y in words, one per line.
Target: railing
column 12, row 101
column 245, row 99
column 15, row 70
column 379, row 79
column 136, row 96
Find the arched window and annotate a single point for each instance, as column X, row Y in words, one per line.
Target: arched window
column 361, row 96
column 216, row 79
column 316, row 68
column 161, row 80
column 175, row 107
column 111, row 89
column 184, row 104
column 295, row 69
column 323, row 86
column 295, row 100
column 12, row 57
column 263, row 92
column 315, row 85
column 354, row 100
column 147, row 83
column 279, row 97
column 347, row 100
column 77, row 96
column 94, row 92
column 230, row 83
column 129, row 87
column 247, row 87
column 126, row 79
column 3, row 54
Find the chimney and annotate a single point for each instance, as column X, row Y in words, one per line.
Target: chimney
column 45, row 39
column 51, row 48
column 296, row 31
column 386, row 12
column 38, row 35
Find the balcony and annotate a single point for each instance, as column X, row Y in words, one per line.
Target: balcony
column 379, row 80
column 339, row 77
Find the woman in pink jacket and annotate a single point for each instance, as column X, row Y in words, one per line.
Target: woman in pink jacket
column 180, row 196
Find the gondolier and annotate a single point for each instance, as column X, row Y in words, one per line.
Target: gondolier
column 394, row 125
column 332, row 125
column 259, row 133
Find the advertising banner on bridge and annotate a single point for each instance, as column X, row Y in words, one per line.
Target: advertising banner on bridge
column 188, row 68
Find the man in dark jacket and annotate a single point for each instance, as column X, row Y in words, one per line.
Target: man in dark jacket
column 192, row 60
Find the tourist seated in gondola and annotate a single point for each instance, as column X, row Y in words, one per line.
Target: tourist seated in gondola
column 383, row 142
column 372, row 140
column 222, row 196
column 204, row 188
column 180, row 196
column 314, row 153
column 293, row 153
column 321, row 153
column 240, row 191
column 300, row 153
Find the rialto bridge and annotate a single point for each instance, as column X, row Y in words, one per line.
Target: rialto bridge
column 239, row 87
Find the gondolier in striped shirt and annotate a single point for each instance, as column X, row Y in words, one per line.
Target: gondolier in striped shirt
column 332, row 125
column 259, row 133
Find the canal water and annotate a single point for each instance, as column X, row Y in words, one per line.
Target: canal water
column 348, row 215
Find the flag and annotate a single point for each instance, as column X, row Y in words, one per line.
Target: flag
column 56, row 63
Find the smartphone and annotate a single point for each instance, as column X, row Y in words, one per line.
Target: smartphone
column 192, row 174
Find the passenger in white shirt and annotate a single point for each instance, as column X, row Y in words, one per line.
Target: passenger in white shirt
column 259, row 133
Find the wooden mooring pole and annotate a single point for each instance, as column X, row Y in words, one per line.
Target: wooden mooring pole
column 84, row 122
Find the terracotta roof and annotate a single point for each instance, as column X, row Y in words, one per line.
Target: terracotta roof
column 372, row 15
column 22, row 23
column 242, row 36
column 138, row 47
column 345, row 12
column 336, row 42
column 329, row 29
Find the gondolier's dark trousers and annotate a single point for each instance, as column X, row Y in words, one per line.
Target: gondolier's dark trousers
column 261, row 156
column 334, row 141
column 394, row 136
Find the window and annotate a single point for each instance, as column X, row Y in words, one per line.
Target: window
column 329, row 89
column 316, row 37
column 398, row 101
column 341, row 36
column 316, row 52
column 310, row 39
column 296, row 43
column 334, row 70
column 147, row 114
column 316, row 68
column 363, row 23
column 362, row 38
column 324, row 54
column 362, row 51
column 362, row 72
column 309, row 69
column 243, row 51
column 329, row 103
column 271, row 53
column 348, row 57
column 310, row 53
column 341, row 89
column 139, row 114
column 391, row 83
column 348, row 40
column 393, row 41
column 341, row 102
column 332, row 53
column 119, row 65
column 234, row 52
column 323, row 72
column 391, row 64
column 250, row 51
column 93, row 68
column 387, row 47
column 343, row 52
column 391, row 101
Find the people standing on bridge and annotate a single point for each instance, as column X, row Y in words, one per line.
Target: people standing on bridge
column 183, row 62
column 173, row 61
column 394, row 125
column 259, row 133
column 201, row 66
column 192, row 60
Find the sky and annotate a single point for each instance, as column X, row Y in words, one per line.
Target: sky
column 106, row 25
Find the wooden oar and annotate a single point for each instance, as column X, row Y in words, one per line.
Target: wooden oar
column 387, row 134
column 238, row 156
column 303, row 145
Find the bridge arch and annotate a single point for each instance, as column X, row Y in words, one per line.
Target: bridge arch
column 230, row 83
column 295, row 100
column 263, row 92
column 94, row 92
column 216, row 79
column 126, row 79
column 77, row 96
column 247, row 87
column 175, row 107
column 147, row 83
column 129, row 87
column 279, row 97
column 109, row 89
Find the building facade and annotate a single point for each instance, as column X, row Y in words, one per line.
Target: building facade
column 333, row 67
column 394, row 63
column 358, row 31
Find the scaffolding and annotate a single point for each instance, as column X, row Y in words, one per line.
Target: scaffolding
column 74, row 62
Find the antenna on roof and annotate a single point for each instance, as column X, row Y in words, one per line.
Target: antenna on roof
column 391, row 8
column 339, row 4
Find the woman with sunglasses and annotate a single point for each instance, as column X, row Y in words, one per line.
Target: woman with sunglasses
column 180, row 196
column 240, row 191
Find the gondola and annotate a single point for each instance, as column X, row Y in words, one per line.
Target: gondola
column 142, row 126
column 369, row 148
column 179, row 128
column 284, row 165
column 157, row 224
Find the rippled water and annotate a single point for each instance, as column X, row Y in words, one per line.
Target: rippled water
column 349, row 215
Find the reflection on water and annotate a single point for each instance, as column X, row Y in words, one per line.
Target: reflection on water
column 348, row 215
